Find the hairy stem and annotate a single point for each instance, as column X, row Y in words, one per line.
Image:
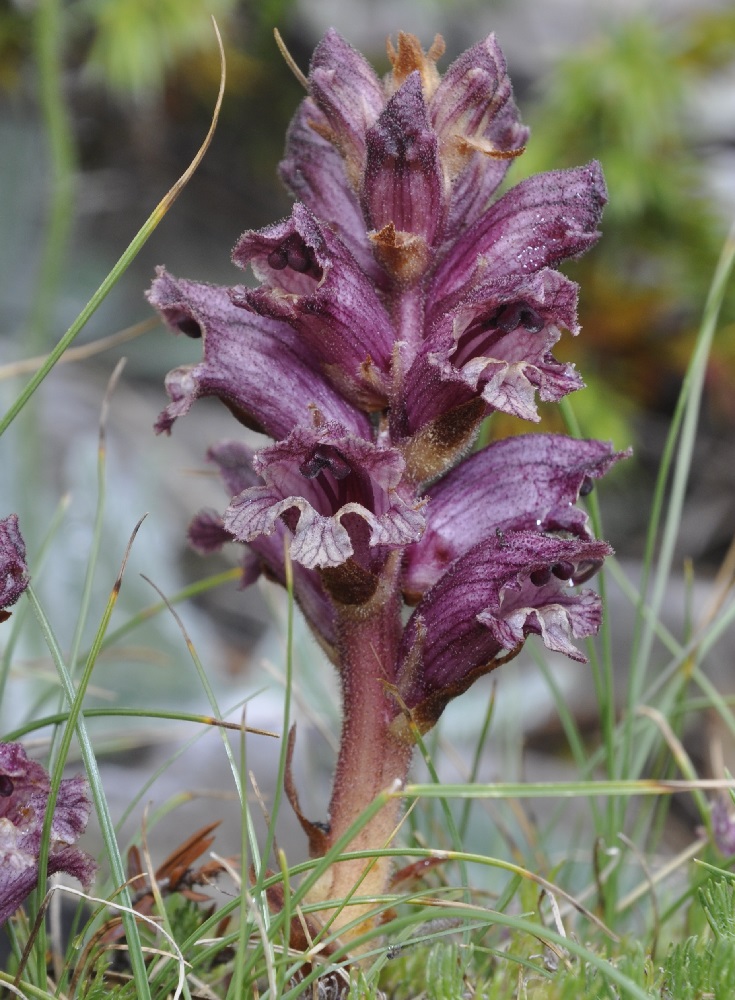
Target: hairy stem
column 371, row 757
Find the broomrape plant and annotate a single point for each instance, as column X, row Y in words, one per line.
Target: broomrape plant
column 400, row 305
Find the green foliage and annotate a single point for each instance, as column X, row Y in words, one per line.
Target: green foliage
column 136, row 42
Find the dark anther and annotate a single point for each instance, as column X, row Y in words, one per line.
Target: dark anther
column 6, row 786
column 539, row 577
column 586, row 570
column 587, row 486
column 510, row 317
column 531, row 320
column 299, row 258
column 325, row 458
column 190, row 328
column 278, row 258
column 311, row 468
column 563, row 570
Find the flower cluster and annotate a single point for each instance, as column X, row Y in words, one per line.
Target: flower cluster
column 401, row 304
column 24, row 793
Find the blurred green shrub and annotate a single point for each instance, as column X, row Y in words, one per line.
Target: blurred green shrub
column 631, row 99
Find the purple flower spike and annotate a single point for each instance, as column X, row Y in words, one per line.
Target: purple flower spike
column 14, row 576
column 400, row 305
column 24, row 791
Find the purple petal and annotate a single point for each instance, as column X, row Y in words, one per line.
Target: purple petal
column 478, row 128
column 24, row 791
column 350, row 96
column 258, row 367
column 315, row 481
column 526, row 482
column 485, row 604
column 14, row 575
column 403, row 182
column 313, row 282
column 539, row 223
column 314, row 173
column 723, row 827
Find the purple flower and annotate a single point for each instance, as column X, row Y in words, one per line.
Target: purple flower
column 14, row 576
column 400, row 304
column 723, row 827
column 24, row 792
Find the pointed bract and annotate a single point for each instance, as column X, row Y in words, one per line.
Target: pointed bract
column 350, row 96
column 403, row 184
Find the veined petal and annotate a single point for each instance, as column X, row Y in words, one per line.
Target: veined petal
column 315, row 480
column 403, row 183
column 312, row 282
column 539, row 223
column 349, row 94
column 257, row 366
column 487, row 603
column 527, row 482
column 314, row 172
column 14, row 575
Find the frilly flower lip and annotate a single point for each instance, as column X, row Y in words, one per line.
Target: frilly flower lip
column 495, row 345
column 527, row 482
column 257, row 366
column 14, row 575
column 264, row 554
column 311, row 281
column 489, row 600
column 24, row 791
column 327, row 486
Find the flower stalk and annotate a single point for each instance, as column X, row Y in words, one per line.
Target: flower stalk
column 400, row 305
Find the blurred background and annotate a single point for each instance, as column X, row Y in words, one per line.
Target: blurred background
column 102, row 105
